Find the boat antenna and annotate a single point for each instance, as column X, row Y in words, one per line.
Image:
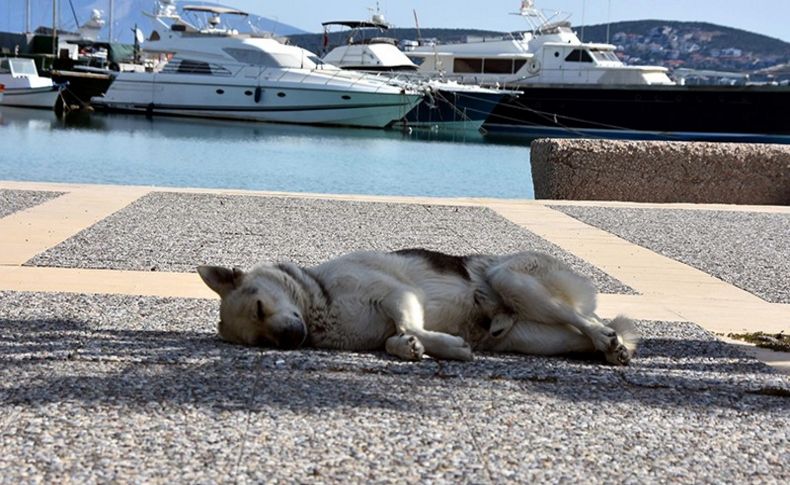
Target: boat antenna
column 74, row 13
column 536, row 19
column 584, row 8
column 417, row 24
column 376, row 16
column 608, row 20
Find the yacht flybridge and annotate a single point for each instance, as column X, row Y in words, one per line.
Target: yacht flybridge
column 217, row 72
column 550, row 53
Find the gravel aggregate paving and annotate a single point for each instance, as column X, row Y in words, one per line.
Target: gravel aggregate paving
column 176, row 232
column 750, row 250
column 16, row 200
column 98, row 388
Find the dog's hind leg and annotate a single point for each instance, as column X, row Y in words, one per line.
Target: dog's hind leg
column 563, row 299
column 542, row 339
column 405, row 309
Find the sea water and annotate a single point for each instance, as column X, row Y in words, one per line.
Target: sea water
column 175, row 152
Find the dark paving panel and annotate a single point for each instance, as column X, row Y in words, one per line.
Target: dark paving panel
column 16, row 200
column 176, row 232
column 747, row 249
column 109, row 422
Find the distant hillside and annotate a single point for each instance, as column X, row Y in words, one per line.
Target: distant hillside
column 724, row 37
column 127, row 14
column 695, row 45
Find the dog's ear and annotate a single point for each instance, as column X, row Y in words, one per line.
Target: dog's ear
column 222, row 280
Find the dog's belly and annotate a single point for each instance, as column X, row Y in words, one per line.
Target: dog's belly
column 356, row 324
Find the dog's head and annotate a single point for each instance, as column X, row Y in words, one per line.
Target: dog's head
column 259, row 308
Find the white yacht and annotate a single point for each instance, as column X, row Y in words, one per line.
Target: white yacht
column 216, row 72
column 550, row 54
column 447, row 104
column 24, row 87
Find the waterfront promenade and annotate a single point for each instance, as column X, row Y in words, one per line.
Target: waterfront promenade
column 110, row 369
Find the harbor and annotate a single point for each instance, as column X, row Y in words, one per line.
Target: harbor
column 210, row 140
column 545, row 81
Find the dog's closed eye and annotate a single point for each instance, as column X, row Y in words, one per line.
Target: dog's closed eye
column 261, row 313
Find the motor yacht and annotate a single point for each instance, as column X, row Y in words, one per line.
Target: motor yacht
column 550, row 53
column 24, row 87
column 572, row 88
column 216, row 72
column 447, row 104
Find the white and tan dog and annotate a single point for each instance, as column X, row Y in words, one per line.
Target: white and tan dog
column 416, row 301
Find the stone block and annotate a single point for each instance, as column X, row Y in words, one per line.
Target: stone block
column 661, row 171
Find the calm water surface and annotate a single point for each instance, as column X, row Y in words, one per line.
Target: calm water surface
column 133, row 150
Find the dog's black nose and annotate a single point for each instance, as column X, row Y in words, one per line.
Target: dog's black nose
column 292, row 336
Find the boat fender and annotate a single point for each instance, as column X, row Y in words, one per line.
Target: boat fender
column 258, row 94
column 534, row 66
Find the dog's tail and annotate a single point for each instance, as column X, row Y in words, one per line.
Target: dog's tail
column 627, row 332
column 576, row 291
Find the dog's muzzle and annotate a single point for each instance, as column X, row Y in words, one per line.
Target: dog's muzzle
column 292, row 336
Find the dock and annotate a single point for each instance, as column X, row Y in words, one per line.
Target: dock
column 111, row 370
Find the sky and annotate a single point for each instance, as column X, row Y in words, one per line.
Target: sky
column 768, row 17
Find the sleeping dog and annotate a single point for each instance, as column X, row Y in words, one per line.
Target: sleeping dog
column 414, row 302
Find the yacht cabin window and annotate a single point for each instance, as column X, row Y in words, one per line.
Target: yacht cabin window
column 498, row 66
column 579, row 55
column 467, row 65
column 193, row 67
column 188, row 66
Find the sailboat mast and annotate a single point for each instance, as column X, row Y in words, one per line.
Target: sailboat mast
column 55, row 28
column 112, row 18
column 27, row 16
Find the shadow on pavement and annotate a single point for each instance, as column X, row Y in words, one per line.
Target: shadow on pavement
column 51, row 360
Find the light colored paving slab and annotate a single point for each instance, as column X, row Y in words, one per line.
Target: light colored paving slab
column 97, row 281
column 27, row 233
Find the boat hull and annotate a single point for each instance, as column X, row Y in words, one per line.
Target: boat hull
column 282, row 103
column 451, row 109
column 81, row 86
column 651, row 112
column 39, row 98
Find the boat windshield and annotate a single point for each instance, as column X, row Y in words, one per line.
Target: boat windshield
column 604, row 55
column 24, row 67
